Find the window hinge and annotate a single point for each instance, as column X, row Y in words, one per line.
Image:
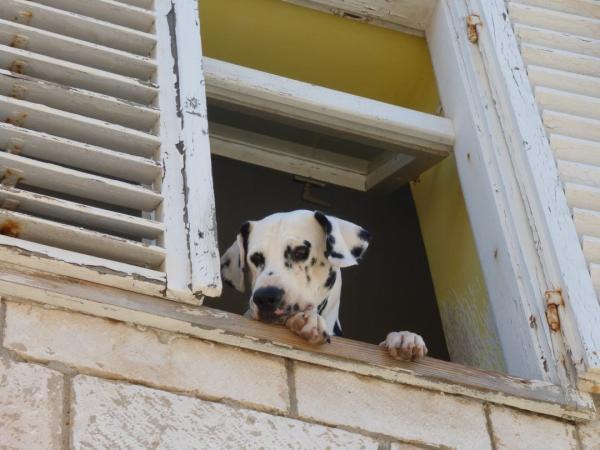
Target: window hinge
column 554, row 299
column 473, row 20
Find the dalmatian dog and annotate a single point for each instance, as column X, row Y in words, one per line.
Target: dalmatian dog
column 292, row 262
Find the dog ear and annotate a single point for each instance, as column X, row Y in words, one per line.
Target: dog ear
column 345, row 242
column 233, row 261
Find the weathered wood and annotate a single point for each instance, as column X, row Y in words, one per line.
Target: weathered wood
column 587, row 222
column 570, row 125
column 407, row 16
column 560, row 59
column 565, row 81
column 81, row 215
column 75, row 75
column 23, row 254
column 110, row 11
column 579, row 173
column 41, row 118
column 573, row 149
column 591, row 248
column 328, row 108
column 195, row 144
column 73, row 182
column 558, row 40
column 75, row 154
column 66, row 48
column 586, row 8
column 582, row 196
column 343, row 354
column 78, row 101
column 77, row 26
column 566, row 102
column 77, row 239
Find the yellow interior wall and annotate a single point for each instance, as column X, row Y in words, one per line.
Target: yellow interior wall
column 307, row 45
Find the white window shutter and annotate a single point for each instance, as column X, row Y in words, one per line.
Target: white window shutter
column 104, row 159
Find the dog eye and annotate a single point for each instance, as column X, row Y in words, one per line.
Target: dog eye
column 257, row 259
column 300, row 253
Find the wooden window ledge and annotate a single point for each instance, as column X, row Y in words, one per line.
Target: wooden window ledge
column 342, row 354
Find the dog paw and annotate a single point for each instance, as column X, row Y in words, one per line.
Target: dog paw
column 310, row 326
column 405, row 345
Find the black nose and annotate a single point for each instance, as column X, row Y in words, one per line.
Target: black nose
column 267, row 298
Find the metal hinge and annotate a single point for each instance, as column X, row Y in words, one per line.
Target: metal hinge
column 554, row 299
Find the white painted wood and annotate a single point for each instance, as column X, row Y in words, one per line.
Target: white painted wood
column 77, row 26
column 81, row 215
column 493, row 203
column 172, row 212
column 195, row 145
column 74, row 154
column 564, row 81
column 558, row 40
column 554, row 20
column 591, row 248
column 266, row 152
column 570, row 125
column 80, row 240
column 560, row 260
column 587, row 222
column 327, row 107
column 76, row 75
column 577, row 150
column 78, row 101
column 579, row 173
column 408, row 16
column 72, row 182
column 566, row 102
column 583, row 196
column 38, row 117
column 586, row 8
column 110, row 11
column 74, row 265
column 146, row 4
column 560, row 59
column 77, row 51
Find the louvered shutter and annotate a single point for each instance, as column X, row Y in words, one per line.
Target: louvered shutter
column 104, row 161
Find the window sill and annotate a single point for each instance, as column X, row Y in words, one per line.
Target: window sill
column 342, row 354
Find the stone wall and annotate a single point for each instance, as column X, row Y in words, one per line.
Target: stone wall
column 68, row 380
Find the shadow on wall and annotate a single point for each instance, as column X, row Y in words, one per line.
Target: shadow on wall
column 390, row 290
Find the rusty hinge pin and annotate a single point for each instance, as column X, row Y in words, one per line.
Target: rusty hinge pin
column 473, row 20
column 554, row 299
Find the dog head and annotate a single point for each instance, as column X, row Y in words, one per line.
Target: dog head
column 291, row 260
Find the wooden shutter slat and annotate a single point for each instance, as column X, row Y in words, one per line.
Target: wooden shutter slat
column 39, row 117
column 565, row 81
column 145, row 4
column 75, row 154
column 79, row 239
column 560, row 59
column 573, row 149
column 77, row 26
column 591, row 248
column 108, row 11
column 555, row 39
column 583, row 196
column 74, row 50
column 569, row 103
column 587, row 222
column 81, row 215
column 78, row 101
column 570, row 125
column 76, row 75
column 595, row 273
column 579, row 173
column 73, row 182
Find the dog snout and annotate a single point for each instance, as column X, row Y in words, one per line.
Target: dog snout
column 267, row 299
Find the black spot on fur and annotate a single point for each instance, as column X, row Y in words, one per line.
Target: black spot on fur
column 245, row 233
column 296, row 307
column 225, row 263
column 270, row 273
column 313, row 261
column 323, row 221
column 258, row 259
column 337, row 329
column 329, row 251
column 330, row 278
column 306, row 273
column 364, row 235
column 322, row 264
column 322, row 306
column 357, row 251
